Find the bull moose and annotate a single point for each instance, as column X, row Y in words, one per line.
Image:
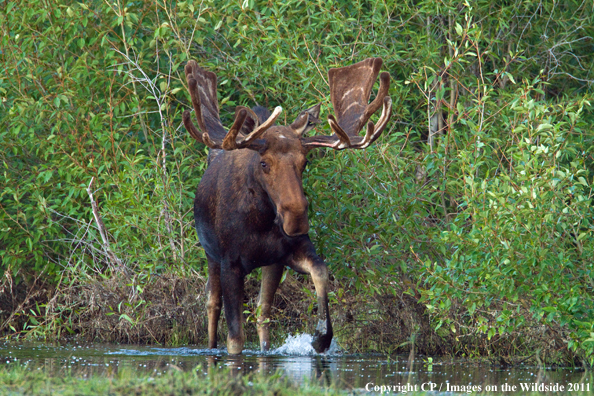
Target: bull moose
column 250, row 209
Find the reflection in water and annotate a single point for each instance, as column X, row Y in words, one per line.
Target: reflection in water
column 295, row 359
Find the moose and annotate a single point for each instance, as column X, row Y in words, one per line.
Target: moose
column 250, row 208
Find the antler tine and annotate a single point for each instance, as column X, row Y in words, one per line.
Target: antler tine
column 194, row 96
column 379, row 98
column 194, row 132
column 231, row 142
column 344, row 140
column 251, row 122
column 374, row 131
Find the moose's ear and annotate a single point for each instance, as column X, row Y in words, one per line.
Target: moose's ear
column 306, row 120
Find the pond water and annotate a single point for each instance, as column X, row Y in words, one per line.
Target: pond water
column 297, row 360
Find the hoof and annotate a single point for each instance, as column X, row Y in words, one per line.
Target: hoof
column 322, row 337
column 234, row 347
column 321, row 341
column 234, row 351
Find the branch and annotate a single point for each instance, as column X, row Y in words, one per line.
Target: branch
column 113, row 258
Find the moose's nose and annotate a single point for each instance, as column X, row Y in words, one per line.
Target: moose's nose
column 295, row 227
column 294, row 216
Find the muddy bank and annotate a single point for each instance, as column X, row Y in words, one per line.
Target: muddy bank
column 171, row 310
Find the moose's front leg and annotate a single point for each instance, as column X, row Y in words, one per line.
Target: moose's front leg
column 232, row 285
column 318, row 270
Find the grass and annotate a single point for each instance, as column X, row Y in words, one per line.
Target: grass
column 17, row 380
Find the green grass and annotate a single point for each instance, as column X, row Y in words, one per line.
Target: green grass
column 17, row 380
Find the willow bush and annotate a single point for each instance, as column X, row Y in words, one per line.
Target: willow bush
column 477, row 201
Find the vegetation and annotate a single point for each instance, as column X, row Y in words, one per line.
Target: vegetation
column 15, row 380
column 475, row 209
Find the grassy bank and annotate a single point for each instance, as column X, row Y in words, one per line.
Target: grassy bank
column 19, row 381
column 16, row 380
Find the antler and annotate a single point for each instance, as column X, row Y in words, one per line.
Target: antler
column 350, row 88
column 202, row 85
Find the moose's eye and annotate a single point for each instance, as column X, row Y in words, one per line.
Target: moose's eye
column 264, row 165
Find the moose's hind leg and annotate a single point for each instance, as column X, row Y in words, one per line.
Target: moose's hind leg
column 271, row 276
column 232, row 286
column 214, row 303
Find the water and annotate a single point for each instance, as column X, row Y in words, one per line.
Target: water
column 298, row 361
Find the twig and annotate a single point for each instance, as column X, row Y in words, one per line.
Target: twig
column 113, row 258
column 357, row 39
column 315, row 63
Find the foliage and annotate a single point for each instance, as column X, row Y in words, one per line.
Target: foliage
column 16, row 380
column 478, row 201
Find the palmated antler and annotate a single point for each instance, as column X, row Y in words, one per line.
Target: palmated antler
column 202, row 85
column 350, row 88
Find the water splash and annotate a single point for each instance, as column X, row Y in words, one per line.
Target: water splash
column 300, row 345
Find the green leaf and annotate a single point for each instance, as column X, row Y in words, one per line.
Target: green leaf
column 126, row 317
